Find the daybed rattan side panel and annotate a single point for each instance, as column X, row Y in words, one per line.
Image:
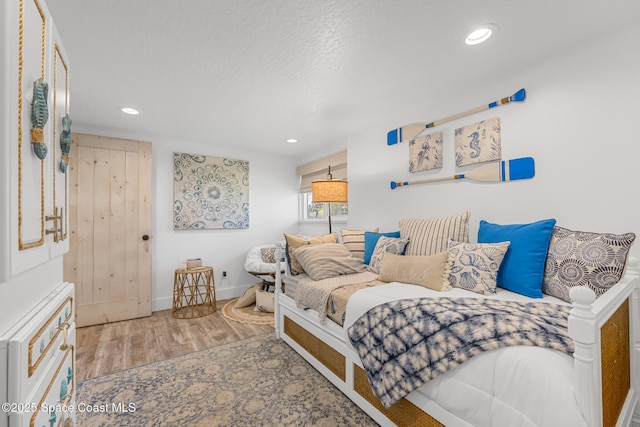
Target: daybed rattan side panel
column 326, row 355
column 616, row 375
column 403, row 413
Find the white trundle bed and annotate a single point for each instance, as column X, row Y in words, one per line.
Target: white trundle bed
column 595, row 385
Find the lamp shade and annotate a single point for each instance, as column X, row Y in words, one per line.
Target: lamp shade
column 330, row 190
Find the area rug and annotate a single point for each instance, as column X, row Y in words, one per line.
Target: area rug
column 259, row 381
column 246, row 314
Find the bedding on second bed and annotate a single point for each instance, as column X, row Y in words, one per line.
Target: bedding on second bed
column 521, row 385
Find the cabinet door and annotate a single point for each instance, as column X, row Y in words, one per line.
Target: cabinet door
column 34, row 198
column 58, row 160
column 29, row 32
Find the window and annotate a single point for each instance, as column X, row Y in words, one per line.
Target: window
column 310, row 211
column 318, row 170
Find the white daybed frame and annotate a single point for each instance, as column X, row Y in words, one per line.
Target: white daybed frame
column 606, row 333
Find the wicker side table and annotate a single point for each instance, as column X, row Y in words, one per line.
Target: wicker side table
column 194, row 293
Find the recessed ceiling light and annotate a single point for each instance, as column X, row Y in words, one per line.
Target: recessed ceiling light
column 129, row 110
column 481, row 34
column 292, row 140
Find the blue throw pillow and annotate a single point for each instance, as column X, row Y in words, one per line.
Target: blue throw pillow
column 522, row 268
column 370, row 240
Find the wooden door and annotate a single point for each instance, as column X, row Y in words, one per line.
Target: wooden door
column 110, row 227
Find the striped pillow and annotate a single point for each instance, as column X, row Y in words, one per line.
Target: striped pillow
column 354, row 241
column 327, row 260
column 294, row 242
column 431, row 236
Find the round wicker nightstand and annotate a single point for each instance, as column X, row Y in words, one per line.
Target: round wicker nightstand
column 194, row 293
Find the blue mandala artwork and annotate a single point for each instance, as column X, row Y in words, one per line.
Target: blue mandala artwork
column 210, row 192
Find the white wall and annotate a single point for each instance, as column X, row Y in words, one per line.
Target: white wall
column 273, row 199
column 273, row 211
column 578, row 123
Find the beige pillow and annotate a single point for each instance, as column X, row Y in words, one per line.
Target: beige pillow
column 354, row 241
column 427, row 270
column 431, row 236
column 327, row 260
column 294, row 242
column 249, row 296
column 264, row 302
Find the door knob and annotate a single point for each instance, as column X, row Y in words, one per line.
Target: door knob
column 145, row 237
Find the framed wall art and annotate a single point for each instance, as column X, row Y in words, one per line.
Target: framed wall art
column 210, row 192
column 425, row 152
column 478, row 142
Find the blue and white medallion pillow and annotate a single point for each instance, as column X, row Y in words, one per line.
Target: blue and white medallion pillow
column 474, row 266
column 385, row 244
column 580, row 258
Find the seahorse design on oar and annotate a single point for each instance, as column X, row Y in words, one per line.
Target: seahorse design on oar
column 65, row 142
column 39, row 117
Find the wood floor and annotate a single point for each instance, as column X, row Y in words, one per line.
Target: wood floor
column 112, row 347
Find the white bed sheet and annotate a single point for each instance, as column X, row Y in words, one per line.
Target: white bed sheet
column 514, row 386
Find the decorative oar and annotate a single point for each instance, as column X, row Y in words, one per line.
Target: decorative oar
column 408, row 132
column 505, row 170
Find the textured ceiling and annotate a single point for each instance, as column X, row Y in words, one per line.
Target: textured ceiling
column 252, row 73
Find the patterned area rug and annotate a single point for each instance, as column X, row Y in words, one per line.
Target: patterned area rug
column 246, row 314
column 259, row 381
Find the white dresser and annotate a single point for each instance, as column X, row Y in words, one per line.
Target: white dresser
column 39, row 353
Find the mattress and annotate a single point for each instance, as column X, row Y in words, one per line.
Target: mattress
column 338, row 298
column 513, row 386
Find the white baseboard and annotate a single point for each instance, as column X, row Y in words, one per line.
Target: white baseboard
column 166, row 303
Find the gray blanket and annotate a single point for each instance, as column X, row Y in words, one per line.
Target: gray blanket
column 405, row 343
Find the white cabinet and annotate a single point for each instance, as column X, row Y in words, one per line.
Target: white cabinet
column 33, row 191
column 39, row 353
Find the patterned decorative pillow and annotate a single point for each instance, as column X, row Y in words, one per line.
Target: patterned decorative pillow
column 268, row 255
column 386, row 245
column 327, row 260
column 579, row 258
column 295, row 242
column 430, row 236
column 370, row 240
column 474, row 266
column 427, row 271
column 354, row 241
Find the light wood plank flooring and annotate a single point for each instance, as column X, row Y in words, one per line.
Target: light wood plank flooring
column 112, row 347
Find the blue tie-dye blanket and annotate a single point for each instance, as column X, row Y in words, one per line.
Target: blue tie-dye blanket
column 405, row 343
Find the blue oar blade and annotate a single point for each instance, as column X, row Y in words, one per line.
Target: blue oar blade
column 523, row 168
column 392, row 136
column 518, row 96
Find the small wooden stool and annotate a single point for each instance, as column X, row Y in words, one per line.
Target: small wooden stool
column 194, row 293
